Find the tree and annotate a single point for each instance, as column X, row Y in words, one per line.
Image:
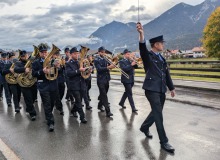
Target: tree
column 211, row 35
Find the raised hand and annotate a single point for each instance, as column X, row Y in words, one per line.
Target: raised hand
column 140, row 28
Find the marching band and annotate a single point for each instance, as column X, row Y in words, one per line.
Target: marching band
column 47, row 72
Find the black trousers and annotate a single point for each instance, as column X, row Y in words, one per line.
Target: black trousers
column 34, row 90
column 48, row 98
column 1, row 90
column 156, row 100
column 7, row 92
column 61, row 87
column 16, row 93
column 128, row 94
column 103, row 98
column 89, row 85
column 68, row 93
column 84, row 96
column 28, row 98
column 58, row 100
column 77, row 107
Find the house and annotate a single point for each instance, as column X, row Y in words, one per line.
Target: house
column 198, row 52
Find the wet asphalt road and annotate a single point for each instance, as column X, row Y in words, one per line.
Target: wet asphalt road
column 193, row 131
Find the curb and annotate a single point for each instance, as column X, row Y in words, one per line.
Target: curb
column 192, row 103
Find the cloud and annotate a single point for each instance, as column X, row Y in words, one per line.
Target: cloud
column 9, row 2
column 65, row 24
column 135, row 8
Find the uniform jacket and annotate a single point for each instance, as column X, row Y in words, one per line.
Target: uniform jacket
column 4, row 69
column 126, row 66
column 19, row 67
column 61, row 75
column 157, row 74
column 43, row 84
column 103, row 74
column 76, row 81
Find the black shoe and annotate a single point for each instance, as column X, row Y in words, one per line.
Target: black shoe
column 147, row 133
column 17, row 110
column 9, row 105
column 134, row 110
column 109, row 114
column 35, row 100
column 88, row 107
column 101, row 108
column 84, row 121
column 122, row 105
column 167, row 147
column 33, row 118
column 51, row 128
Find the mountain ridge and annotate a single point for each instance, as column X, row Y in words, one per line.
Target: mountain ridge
column 179, row 23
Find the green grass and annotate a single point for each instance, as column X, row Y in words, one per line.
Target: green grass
column 195, row 72
column 141, row 71
column 193, row 66
column 178, row 77
column 197, row 78
column 193, row 59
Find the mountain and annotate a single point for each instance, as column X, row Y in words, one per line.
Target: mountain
column 182, row 27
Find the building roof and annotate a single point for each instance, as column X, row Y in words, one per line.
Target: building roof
column 198, row 49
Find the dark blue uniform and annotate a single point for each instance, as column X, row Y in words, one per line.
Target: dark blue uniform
column 48, row 89
column 14, row 88
column 61, row 81
column 3, row 64
column 68, row 94
column 28, row 92
column 76, row 83
column 1, row 89
column 128, row 83
column 155, row 85
column 103, row 78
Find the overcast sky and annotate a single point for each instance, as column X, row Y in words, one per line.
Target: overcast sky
column 69, row 22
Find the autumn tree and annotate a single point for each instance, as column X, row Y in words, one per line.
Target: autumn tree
column 211, row 35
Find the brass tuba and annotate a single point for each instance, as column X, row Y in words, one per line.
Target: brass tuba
column 84, row 62
column 26, row 79
column 49, row 64
column 11, row 78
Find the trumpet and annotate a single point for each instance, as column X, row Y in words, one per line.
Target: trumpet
column 114, row 62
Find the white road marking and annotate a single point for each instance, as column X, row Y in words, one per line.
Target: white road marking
column 7, row 152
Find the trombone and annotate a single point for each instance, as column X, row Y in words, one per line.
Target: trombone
column 114, row 62
column 138, row 61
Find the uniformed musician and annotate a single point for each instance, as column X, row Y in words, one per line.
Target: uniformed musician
column 103, row 78
column 127, row 65
column 14, row 88
column 4, row 62
column 48, row 88
column 76, row 83
column 28, row 92
column 155, row 85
